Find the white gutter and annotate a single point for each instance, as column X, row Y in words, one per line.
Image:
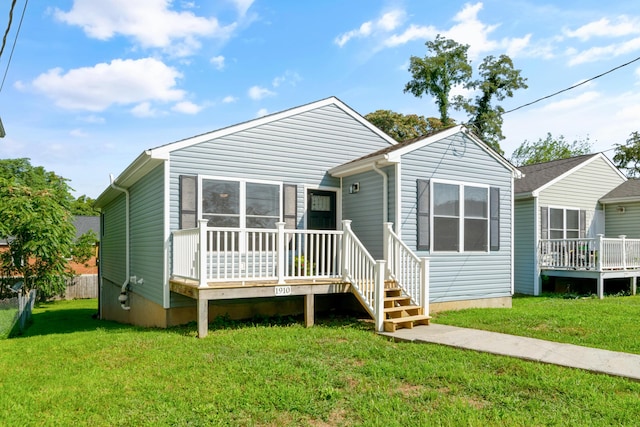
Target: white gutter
column 385, row 193
column 123, row 298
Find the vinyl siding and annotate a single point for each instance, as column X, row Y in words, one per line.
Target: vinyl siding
column 147, row 235
column 583, row 188
column 365, row 209
column 295, row 150
column 465, row 275
column 627, row 223
column 524, row 246
column 112, row 241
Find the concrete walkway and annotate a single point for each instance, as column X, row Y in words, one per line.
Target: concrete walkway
column 574, row 356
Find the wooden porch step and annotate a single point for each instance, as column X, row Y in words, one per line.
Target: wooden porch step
column 397, row 301
column 390, row 325
column 402, row 310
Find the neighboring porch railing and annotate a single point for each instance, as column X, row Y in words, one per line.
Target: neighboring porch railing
column 589, row 254
column 208, row 255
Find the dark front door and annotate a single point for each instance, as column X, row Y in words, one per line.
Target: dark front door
column 321, row 208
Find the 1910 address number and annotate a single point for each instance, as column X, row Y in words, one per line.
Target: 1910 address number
column 282, row 290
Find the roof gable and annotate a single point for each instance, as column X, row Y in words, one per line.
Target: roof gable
column 628, row 191
column 394, row 153
column 542, row 175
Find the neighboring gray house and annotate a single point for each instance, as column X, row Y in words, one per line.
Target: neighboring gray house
column 266, row 215
column 568, row 222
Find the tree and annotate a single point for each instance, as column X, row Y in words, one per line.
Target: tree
column 402, row 127
column 437, row 74
column 83, row 205
column 627, row 156
column 498, row 80
column 36, row 221
column 548, row 149
column 449, row 66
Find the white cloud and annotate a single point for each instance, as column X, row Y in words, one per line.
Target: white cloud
column 78, row 133
column 229, row 99
column 242, row 6
column 119, row 82
column 572, row 103
column 599, row 53
column 94, row 119
column 218, row 62
column 290, row 77
column 387, row 22
column 262, row 112
column 187, row 107
column 144, row 109
column 414, row 32
column 257, row 93
column 603, row 27
column 150, row 23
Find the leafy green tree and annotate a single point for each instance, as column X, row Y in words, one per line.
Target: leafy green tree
column 403, row 127
column 448, row 66
column 627, row 156
column 548, row 149
column 498, row 80
column 83, row 205
column 438, row 73
column 36, row 221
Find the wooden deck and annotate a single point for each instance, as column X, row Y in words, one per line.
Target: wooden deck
column 256, row 289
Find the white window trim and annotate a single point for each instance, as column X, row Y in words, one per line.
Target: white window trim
column 242, row 196
column 564, row 219
column 461, row 185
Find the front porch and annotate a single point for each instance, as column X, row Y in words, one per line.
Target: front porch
column 599, row 258
column 223, row 263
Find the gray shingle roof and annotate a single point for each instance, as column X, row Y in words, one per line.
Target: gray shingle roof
column 627, row 190
column 542, row 173
column 83, row 223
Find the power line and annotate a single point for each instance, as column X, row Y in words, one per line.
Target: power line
column 13, row 47
column 573, row 87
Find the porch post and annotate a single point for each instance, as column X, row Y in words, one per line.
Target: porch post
column 424, row 285
column 346, row 254
column 624, row 251
column 202, row 253
column 386, row 242
column 281, row 252
column 634, row 286
column 379, row 294
column 203, row 316
column 600, row 253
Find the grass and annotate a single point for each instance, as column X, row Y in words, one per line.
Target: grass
column 610, row 323
column 70, row 369
column 7, row 318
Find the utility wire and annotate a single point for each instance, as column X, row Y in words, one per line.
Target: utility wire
column 573, row 87
column 13, row 47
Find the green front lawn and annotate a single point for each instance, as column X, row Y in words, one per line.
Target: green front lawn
column 70, row 369
column 611, row 323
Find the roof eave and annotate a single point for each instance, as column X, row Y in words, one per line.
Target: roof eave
column 360, row 166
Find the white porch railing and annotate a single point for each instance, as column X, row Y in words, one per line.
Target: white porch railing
column 208, row 255
column 589, row 254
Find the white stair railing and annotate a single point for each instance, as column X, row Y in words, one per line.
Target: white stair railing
column 410, row 272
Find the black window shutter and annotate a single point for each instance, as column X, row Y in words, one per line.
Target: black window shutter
column 494, row 216
column 423, row 215
column 544, row 222
column 188, row 201
column 289, row 206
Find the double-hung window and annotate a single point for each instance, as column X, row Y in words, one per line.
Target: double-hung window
column 564, row 223
column 240, row 204
column 464, row 217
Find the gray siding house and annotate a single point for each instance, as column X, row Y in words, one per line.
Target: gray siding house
column 266, row 215
column 568, row 222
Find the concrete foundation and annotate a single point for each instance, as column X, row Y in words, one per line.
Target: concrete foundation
column 501, row 302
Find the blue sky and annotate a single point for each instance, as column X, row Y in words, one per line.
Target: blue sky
column 92, row 84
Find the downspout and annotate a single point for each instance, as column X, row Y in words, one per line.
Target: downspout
column 385, row 193
column 123, row 298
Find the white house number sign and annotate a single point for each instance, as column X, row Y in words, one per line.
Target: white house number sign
column 282, row 291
